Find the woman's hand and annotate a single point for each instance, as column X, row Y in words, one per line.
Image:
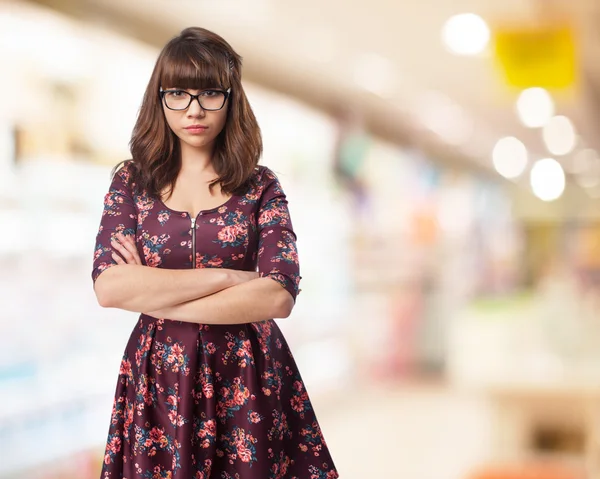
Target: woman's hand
column 125, row 246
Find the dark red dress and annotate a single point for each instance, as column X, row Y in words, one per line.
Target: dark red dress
column 203, row 401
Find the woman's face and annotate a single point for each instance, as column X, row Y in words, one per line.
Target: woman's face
column 194, row 126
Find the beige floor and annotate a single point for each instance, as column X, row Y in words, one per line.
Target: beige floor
column 406, row 432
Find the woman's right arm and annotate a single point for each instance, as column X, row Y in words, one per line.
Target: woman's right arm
column 139, row 288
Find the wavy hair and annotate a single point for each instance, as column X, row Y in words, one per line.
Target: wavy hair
column 195, row 59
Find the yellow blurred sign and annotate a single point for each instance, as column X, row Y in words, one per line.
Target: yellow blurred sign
column 537, row 56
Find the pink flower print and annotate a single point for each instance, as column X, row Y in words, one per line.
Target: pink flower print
column 297, row 404
column 163, row 217
column 202, row 262
column 298, row 386
column 115, row 445
column 254, row 417
column 125, row 368
column 157, row 436
column 172, row 416
column 128, row 420
column 225, row 391
column 208, row 390
column 210, row 428
column 144, row 203
column 291, row 256
column 253, row 195
column 244, row 453
column 153, row 260
column 177, row 349
column 207, row 433
column 267, row 216
column 206, row 382
column 228, row 234
column 239, row 396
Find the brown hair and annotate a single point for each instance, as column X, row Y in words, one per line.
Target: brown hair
column 195, row 59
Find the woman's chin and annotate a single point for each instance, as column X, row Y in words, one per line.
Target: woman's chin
column 197, row 143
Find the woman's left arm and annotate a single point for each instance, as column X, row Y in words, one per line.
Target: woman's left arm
column 256, row 300
column 273, row 295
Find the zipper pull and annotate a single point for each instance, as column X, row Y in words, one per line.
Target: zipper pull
column 193, row 223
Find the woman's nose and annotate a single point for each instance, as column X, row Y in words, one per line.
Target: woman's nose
column 195, row 109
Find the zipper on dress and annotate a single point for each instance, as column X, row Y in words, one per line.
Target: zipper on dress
column 193, row 243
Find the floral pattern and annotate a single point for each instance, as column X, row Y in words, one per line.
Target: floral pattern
column 209, row 401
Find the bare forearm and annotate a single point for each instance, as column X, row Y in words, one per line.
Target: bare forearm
column 253, row 301
column 141, row 288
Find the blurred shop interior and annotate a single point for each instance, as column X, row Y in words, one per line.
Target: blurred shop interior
column 450, row 316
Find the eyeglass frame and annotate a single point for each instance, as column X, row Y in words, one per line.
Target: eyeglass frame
column 226, row 93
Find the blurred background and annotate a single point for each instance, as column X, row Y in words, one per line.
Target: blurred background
column 449, row 326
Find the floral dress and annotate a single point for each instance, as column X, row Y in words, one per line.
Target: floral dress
column 209, row 401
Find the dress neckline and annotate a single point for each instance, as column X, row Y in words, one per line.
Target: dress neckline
column 201, row 212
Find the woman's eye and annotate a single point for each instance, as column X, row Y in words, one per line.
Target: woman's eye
column 209, row 93
column 175, row 93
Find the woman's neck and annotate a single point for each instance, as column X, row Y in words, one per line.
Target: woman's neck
column 196, row 162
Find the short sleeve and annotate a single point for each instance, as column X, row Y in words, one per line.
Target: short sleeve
column 277, row 252
column 119, row 216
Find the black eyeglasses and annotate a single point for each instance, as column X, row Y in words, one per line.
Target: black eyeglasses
column 209, row 100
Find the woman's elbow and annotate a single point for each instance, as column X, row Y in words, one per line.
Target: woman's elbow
column 285, row 304
column 104, row 293
column 102, row 296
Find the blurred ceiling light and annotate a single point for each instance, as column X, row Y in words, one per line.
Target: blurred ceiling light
column 535, row 107
column 547, row 179
column 586, row 168
column 584, row 161
column 375, row 73
column 439, row 114
column 559, row 135
column 465, row 34
column 587, row 181
column 510, row 157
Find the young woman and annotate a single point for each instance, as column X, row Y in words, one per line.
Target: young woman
column 197, row 238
